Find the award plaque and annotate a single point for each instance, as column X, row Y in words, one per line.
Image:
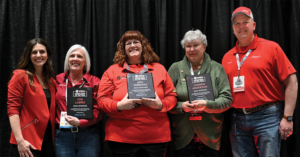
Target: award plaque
column 80, row 102
column 199, row 87
column 140, row 86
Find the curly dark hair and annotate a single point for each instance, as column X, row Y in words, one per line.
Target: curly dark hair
column 26, row 64
column 148, row 55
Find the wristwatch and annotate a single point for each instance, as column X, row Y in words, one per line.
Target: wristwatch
column 288, row 118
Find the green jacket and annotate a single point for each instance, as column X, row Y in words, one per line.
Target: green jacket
column 209, row 129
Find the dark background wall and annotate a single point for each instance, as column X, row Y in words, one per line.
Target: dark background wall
column 99, row 24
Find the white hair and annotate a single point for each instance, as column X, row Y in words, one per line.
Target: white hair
column 87, row 58
column 192, row 35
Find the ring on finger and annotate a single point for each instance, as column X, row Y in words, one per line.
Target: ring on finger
column 133, row 106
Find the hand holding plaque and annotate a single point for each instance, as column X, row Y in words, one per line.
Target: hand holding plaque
column 197, row 105
column 200, row 105
column 153, row 103
column 199, row 89
column 127, row 104
column 72, row 120
column 187, row 107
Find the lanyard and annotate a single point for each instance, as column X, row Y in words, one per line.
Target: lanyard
column 192, row 72
column 142, row 71
column 242, row 62
column 67, row 80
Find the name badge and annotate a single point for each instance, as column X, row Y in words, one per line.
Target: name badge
column 238, row 84
column 63, row 123
column 196, row 115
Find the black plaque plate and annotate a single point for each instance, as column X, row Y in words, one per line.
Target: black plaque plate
column 80, row 102
column 199, row 87
column 140, row 86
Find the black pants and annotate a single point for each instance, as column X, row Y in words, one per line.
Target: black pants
column 47, row 146
column 196, row 148
column 135, row 150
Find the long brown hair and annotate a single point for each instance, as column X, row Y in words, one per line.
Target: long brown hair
column 26, row 64
column 148, row 55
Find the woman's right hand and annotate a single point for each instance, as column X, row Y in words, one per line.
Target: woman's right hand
column 24, row 148
column 127, row 104
column 187, row 107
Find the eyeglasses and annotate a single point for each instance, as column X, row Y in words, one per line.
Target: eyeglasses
column 133, row 42
column 189, row 47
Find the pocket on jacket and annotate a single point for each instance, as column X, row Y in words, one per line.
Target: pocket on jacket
column 29, row 124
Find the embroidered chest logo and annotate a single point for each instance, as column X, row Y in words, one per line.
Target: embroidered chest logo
column 121, row 77
column 254, row 57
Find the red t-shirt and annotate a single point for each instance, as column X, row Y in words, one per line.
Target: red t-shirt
column 60, row 97
column 140, row 125
column 264, row 70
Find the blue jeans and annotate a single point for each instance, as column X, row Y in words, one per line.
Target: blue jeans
column 80, row 144
column 196, row 148
column 257, row 134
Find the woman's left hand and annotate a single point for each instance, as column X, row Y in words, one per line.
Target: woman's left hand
column 72, row 120
column 153, row 103
column 200, row 105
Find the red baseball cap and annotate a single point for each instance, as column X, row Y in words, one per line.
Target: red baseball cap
column 241, row 10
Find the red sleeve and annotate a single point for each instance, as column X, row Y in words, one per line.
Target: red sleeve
column 15, row 94
column 169, row 101
column 283, row 67
column 105, row 91
column 97, row 113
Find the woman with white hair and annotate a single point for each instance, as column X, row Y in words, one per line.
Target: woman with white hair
column 199, row 137
column 76, row 137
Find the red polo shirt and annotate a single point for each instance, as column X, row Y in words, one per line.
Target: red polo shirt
column 140, row 125
column 264, row 69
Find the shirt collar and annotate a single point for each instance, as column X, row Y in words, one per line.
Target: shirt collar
column 150, row 67
column 252, row 46
column 85, row 76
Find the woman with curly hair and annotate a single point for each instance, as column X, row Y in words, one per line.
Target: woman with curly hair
column 131, row 127
column 31, row 102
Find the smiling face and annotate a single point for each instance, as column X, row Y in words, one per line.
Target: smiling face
column 133, row 49
column 243, row 27
column 38, row 56
column 194, row 51
column 77, row 60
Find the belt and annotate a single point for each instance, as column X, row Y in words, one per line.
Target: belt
column 74, row 129
column 257, row 108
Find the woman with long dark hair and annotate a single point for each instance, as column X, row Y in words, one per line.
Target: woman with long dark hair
column 31, row 102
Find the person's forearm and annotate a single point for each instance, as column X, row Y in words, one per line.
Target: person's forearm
column 291, row 91
column 16, row 127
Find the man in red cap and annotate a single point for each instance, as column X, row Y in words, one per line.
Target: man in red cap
column 260, row 76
